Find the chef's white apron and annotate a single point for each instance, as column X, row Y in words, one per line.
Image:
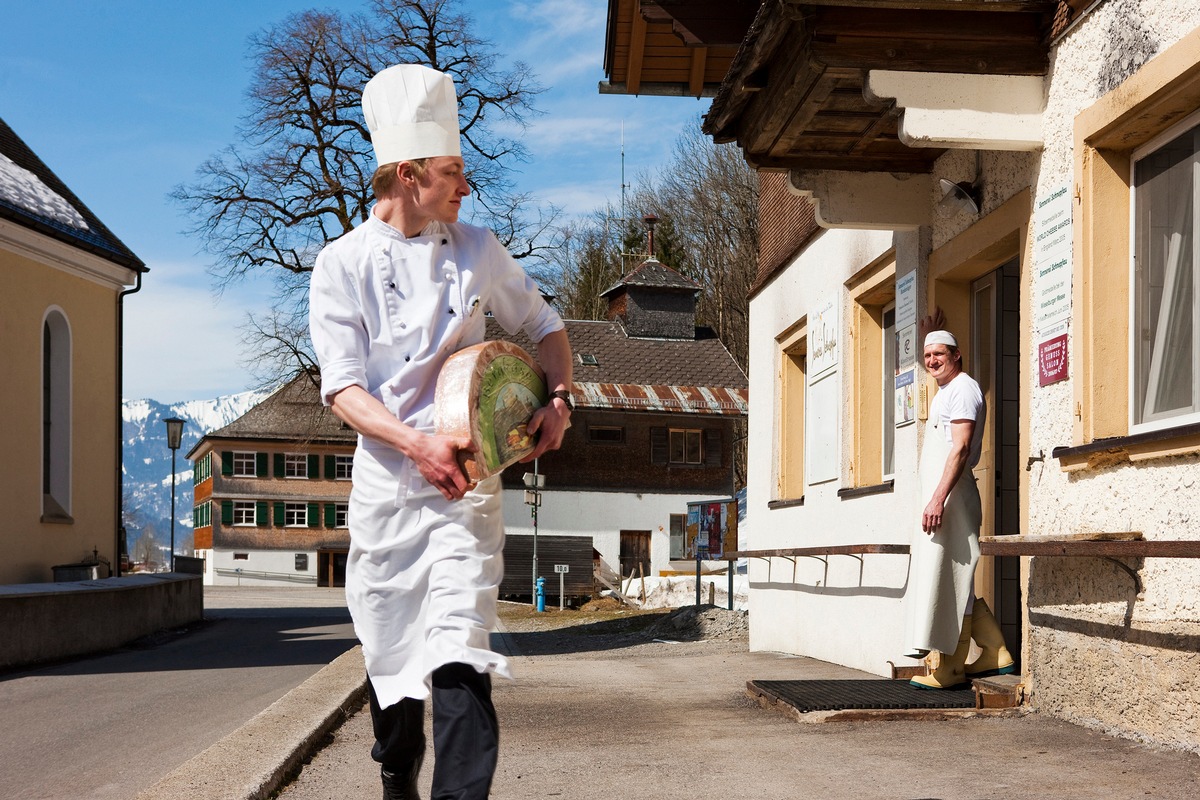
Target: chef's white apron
column 422, row 575
column 942, row 568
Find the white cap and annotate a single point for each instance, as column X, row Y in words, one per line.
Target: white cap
column 412, row 112
column 941, row 337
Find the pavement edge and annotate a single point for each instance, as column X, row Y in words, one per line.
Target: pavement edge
column 259, row 757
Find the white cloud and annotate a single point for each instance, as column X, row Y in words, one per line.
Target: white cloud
column 181, row 342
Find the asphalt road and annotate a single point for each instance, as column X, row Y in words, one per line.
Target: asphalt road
column 110, row 725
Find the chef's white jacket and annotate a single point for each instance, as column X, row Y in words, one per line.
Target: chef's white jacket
column 385, row 312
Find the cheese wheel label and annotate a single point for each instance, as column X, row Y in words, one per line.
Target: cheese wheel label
column 509, row 392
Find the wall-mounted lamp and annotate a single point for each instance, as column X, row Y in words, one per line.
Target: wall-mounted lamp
column 961, row 196
column 964, row 195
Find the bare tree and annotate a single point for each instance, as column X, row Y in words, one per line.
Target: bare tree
column 706, row 200
column 299, row 176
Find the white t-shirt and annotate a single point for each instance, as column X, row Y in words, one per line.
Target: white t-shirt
column 961, row 399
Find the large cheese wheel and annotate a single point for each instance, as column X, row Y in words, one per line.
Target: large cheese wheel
column 487, row 393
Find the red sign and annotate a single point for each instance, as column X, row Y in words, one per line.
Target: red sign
column 1052, row 360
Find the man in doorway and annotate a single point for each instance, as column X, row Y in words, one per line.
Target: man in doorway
column 942, row 609
column 390, row 302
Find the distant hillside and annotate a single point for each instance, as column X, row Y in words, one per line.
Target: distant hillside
column 147, row 462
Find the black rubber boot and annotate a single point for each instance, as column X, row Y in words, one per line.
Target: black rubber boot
column 400, row 785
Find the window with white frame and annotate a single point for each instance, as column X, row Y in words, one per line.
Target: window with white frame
column 295, row 515
column 341, row 515
column 243, row 465
column 1166, row 269
column 343, row 468
column 295, row 465
column 243, row 512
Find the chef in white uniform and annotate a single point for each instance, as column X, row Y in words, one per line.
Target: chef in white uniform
column 389, row 303
column 945, row 549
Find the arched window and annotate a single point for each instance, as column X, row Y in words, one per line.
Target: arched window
column 56, row 416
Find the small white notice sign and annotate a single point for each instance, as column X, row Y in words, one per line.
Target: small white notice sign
column 561, row 568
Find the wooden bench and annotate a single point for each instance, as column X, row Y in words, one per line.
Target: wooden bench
column 1109, row 546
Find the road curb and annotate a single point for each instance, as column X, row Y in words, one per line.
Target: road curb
column 257, row 758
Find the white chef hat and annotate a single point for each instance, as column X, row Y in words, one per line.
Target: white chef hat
column 412, row 112
column 941, row 337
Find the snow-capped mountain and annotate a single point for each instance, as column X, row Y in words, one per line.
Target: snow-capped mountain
column 147, row 462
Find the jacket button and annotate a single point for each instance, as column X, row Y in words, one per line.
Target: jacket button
column 445, row 241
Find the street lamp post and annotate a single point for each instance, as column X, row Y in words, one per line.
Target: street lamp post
column 533, row 498
column 174, row 437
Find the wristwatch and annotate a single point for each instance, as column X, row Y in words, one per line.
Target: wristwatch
column 565, row 396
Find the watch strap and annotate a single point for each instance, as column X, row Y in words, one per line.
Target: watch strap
column 565, row 396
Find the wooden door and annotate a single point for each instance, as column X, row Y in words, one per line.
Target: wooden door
column 635, row 551
column 995, row 364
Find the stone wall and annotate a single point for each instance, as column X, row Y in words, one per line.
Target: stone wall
column 51, row 621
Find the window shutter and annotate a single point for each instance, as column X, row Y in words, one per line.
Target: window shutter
column 280, row 470
column 658, row 445
column 226, row 462
column 330, row 467
column 314, row 515
column 330, row 515
column 226, row 512
column 314, row 466
column 712, row 447
column 260, row 465
column 279, row 518
column 260, row 514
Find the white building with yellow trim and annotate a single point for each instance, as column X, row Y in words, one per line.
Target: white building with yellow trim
column 1033, row 169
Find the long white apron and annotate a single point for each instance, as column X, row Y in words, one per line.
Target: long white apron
column 422, row 575
column 943, row 565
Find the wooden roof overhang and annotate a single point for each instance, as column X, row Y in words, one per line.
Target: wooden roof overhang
column 672, row 47
column 793, row 97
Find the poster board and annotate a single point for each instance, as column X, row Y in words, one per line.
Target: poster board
column 712, row 527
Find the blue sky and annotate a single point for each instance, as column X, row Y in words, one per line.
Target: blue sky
column 123, row 99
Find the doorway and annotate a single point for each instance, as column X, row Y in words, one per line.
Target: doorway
column 635, row 552
column 995, row 362
column 331, row 567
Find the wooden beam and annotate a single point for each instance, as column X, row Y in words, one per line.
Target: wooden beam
column 1134, row 548
column 637, row 46
column 696, row 77
column 1011, row 6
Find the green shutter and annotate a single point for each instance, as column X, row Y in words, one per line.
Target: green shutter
column 260, row 465
column 226, row 462
column 260, row 514
column 331, row 515
column 330, row 467
column 314, row 515
column 280, row 470
column 314, row 466
column 226, row 512
column 279, row 515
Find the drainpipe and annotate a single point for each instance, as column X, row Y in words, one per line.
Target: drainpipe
column 121, row 419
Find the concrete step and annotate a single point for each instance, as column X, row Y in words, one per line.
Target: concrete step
column 1001, row 691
